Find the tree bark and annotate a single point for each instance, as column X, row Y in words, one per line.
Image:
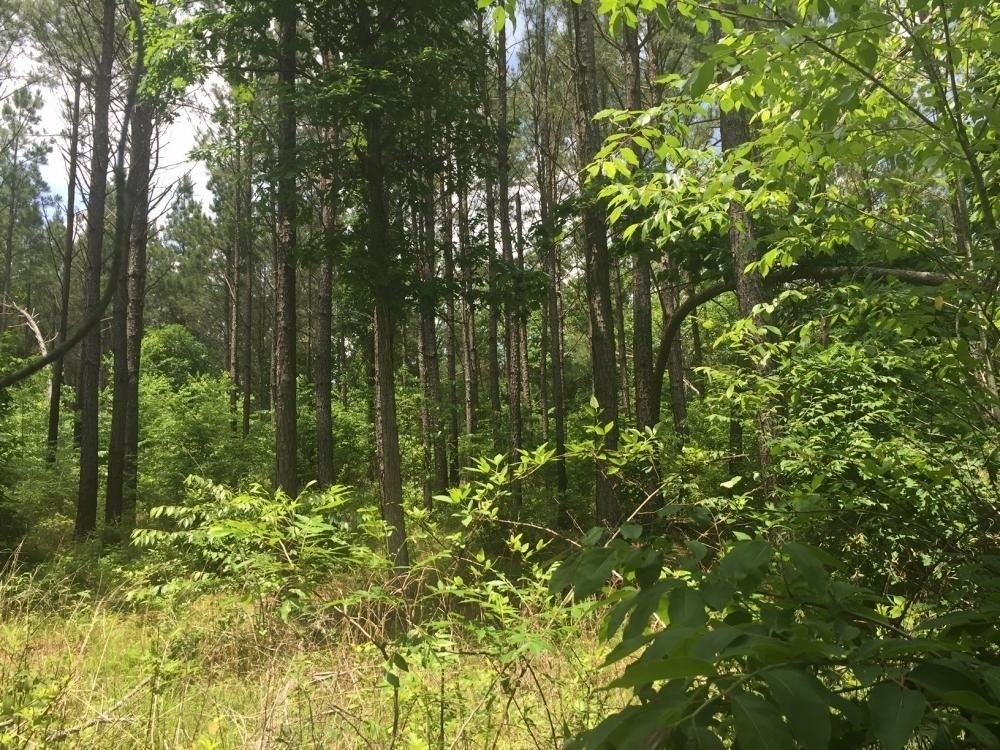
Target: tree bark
column 669, row 299
column 13, row 201
column 646, row 399
column 136, row 281
column 129, row 183
column 598, row 262
column 286, row 438
column 470, row 353
column 436, row 459
column 511, row 327
column 493, row 321
column 248, row 249
column 545, row 172
column 322, row 375
column 448, row 243
column 234, row 278
column 66, row 272
column 386, row 428
column 90, row 355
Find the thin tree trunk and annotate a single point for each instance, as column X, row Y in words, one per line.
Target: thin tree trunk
column 470, row 354
column 127, row 188
column 448, row 229
column 65, row 280
column 598, row 262
column 386, row 427
column 286, row 442
column 248, row 248
column 522, row 315
column 624, row 386
column 493, row 322
column 13, row 200
column 734, row 132
column 90, row 353
column 642, row 313
column 322, row 376
column 512, row 329
column 136, row 288
column 546, row 174
column 234, row 287
column 430, row 368
column 669, row 300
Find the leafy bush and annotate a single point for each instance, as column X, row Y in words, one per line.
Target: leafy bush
column 189, row 430
column 173, row 352
column 276, row 550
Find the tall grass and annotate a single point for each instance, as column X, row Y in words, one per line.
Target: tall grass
column 98, row 672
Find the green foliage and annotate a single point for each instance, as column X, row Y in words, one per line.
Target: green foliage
column 189, row 429
column 772, row 647
column 274, row 549
column 36, row 496
column 175, row 354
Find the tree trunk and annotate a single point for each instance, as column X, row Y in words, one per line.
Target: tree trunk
column 286, row 442
column 136, row 283
column 470, row 353
column 622, row 342
column 322, row 375
column 493, row 321
column 380, row 255
column 734, row 132
column 65, row 279
column 430, row 364
column 128, row 187
column 13, row 200
column 233, row 286
column 248, row 248
column 522, row 314
column 448, row 229
column 90, row 354
column 545, row 168
column 512, row 329
column 598, row 262
column 669, row 301
column 642, row 312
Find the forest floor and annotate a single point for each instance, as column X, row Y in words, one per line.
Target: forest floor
column 89, row 671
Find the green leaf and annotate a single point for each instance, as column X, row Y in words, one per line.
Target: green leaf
column 867, row 54
column 730, row 483
column 895, row 713
column 628, row 155
column 971, row 702
column 802, row 699
column 759, row 725
column 631, row 531
column 746, row 562
column 699, row 738
column 646, row 673
column 687, row 607
column 698, row 83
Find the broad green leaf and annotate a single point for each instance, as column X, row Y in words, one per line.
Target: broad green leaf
column 687, row 607
column 746, row 562
column 759, row 725
column 698, row 84
column 896, row 712
column 803, row 700
column 646, row 673
column 700, row 738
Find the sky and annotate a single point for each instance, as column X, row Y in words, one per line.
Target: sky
column 177, row 139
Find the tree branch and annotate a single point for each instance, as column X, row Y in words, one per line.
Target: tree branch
column 696, row 300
